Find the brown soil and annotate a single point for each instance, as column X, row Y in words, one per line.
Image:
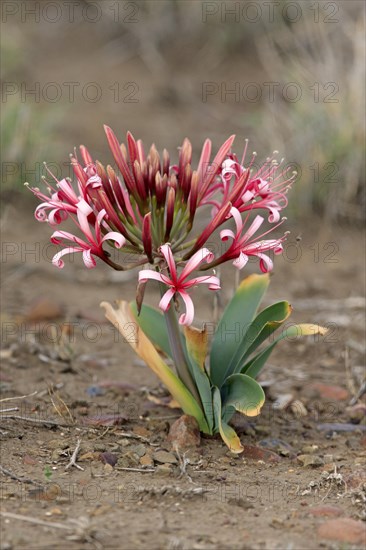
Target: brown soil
column 222, row 500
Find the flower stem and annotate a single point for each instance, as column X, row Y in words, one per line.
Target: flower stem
column 176, row 346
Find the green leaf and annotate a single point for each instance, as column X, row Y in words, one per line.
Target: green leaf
column 228, row 434
column 268, row 320
column 242, row 393
column 255, row 365
column 271, row 326
column 196, row 341
column 123, row 319
column 236, row 319
column 153, row 323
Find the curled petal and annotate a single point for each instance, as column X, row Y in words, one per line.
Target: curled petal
column 237, row 217
column 226, row 234
column 187, row 317
column 164, row 303
column 88, row 259
column 84, row 207
column 247, row 196
column 56, row 260
column 240, row 261
column 118, row 239
column 40, row 212
column 231, row 168
column 56, row 216
column 265, row 264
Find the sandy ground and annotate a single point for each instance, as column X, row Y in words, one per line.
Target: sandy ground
column 258, row 500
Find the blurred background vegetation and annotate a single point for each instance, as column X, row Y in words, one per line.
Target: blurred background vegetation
column 287, row 75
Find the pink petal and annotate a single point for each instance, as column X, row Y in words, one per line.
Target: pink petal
column 265, row 263
column 248, row 196
column 240, row 261
column 83, row 220
column 187, row 317
column 84, row 207
column 205, row 159
column 212, row 281
column 94, row 182
column 88, row 259
column 237, row 217
column 257, row 222
column 40, row 212
column 56, row 216
column 56, row 260
column 165, row 301
column 146, row 274
column 57, row 235
column 68, row 191
column 169, row 258
column 195, row 261
column 226, row 234
column 118, row 239
column 275, row 214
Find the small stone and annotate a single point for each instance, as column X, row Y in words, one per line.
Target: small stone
column 310, row 460
column 184, row 433
column 277, row 445
column 326, row 511
column 334, row 393
column 345, row 530
column 140, row 450
column 298, row 408
column 310, row 449
column 108, row 469
column 100, row 447
column 256, row 453
column 146, row 460
column 140, row 430
column 108, row 458
column 29, row 460
column 57, row 444
column 357, row 413
column 164, row 457
column 164, row 469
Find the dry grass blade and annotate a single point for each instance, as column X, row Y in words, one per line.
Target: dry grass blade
column 60, row 407
column 18, row 397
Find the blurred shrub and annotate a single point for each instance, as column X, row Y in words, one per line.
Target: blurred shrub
column 324, row 131
column 27, row 138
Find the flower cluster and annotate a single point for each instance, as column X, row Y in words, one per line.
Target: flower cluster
column 147, row 207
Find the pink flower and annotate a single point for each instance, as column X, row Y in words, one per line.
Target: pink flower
column 93, row 245
column 264, row 189
column 179, row 284
column 245, row 245
column 62, row 202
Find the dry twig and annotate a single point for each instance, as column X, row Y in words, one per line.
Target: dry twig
column 17, row 478
column 74, row 457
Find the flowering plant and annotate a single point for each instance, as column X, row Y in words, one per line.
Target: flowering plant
column 147, row 210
